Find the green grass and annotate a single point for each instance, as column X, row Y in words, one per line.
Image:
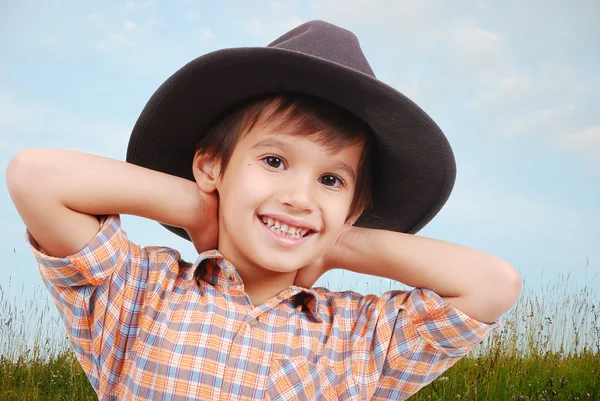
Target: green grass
column 548, row 349
column 57, row 378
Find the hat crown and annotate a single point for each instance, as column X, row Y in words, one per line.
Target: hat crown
column 326, row 41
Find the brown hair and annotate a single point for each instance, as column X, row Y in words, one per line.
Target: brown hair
column 329, row 125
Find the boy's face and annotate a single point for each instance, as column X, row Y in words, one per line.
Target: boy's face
column 273, row 179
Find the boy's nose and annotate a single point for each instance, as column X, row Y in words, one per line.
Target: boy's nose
column 298, row 194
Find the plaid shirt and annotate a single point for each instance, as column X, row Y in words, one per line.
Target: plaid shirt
column 144, row 324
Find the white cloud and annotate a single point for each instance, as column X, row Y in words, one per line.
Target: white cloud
column 16, row 116
column 511, row 212
column 281, row 5
column 130, row 6
column 415, row 25
column 585, row 143
column 25, row 124
column 271, row 26
column 120, row 39
column 544, row 123
column 129, row 26
column 154, row 22
column 115, row 40
column 91, row 136
column 192, row 16
column 137, row 6
column 552, row 106
column 131, row 32
column 253, row 26
column 476, row 40
column 50, row 39
column 95, row 18
column 588, row 138
column 206, row 34
column 477, row 53
column 463, row 52
column 290, row 23
column 533, row 232
column 520, row 92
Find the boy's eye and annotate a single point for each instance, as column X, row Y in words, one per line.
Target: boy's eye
column 331, row 181
column 274, row 161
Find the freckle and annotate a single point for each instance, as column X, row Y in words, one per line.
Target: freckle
column 249, row 164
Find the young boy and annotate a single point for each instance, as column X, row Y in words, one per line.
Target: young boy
column 278, row 163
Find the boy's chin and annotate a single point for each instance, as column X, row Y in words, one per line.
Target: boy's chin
column 284, row 266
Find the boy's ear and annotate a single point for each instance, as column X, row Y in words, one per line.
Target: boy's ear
column 206, row 169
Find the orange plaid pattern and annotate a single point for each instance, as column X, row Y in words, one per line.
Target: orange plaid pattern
column 144, row 324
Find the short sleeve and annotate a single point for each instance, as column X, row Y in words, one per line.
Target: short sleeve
column 100, row 293
column 93, row 264
column 406, row 339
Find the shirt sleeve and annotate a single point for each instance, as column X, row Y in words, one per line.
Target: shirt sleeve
column 100, row 293
column 404, row 340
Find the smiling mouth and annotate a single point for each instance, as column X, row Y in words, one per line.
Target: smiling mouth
column 285, row 230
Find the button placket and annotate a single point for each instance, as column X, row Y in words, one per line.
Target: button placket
column 242, row 345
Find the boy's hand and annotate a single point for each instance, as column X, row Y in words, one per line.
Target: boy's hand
column 203, row 227
column 308, row 275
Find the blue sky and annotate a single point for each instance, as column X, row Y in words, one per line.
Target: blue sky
column 514, row 85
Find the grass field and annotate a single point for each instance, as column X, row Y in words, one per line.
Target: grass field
column 548, row 349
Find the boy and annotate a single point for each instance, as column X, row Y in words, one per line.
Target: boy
column 278, row 163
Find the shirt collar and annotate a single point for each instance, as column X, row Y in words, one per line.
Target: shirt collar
column 213, row 268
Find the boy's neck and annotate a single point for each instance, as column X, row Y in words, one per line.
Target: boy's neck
column 262, row 288
column 260, row 284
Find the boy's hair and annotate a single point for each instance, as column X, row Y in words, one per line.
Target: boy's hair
column 331, row 126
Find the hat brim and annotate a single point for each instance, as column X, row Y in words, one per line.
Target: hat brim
column 416, row 171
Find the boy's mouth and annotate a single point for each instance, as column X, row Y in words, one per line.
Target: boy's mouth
column 285, row 230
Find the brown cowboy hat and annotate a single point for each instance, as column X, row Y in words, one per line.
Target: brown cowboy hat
column 416, row 167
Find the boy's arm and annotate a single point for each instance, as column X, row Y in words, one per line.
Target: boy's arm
column 481, row 285
column 58, row 194
column 100, row 280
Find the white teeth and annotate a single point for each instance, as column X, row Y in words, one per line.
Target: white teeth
column 283, row 229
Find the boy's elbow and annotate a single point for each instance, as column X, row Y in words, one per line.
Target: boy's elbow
column 15, row 172
column 20, row 167
column 513, row 287
column 508, row 290
column 494, row 297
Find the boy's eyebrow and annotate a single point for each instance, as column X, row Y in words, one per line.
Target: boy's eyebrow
column 271, row 143
column 276, row 143
column 341, row 165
